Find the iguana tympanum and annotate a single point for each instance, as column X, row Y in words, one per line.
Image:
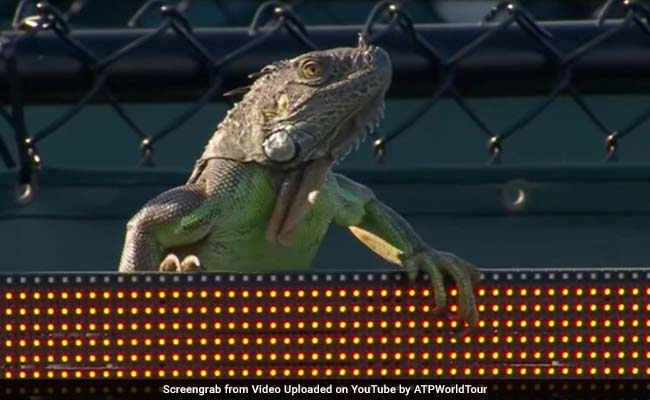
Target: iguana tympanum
column 262, row 195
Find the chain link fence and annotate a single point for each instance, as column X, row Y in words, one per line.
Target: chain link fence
column 45, row 59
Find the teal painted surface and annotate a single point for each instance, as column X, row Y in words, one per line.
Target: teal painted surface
column 574, row 217
column 434, row 174
column 98, row 139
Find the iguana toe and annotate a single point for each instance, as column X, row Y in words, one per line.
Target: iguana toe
column 171, row 263
column 191, row 263
column 438, row 265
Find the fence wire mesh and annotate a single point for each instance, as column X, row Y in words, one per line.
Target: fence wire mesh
column 385, row 19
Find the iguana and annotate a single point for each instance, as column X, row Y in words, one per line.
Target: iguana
column 262, row 195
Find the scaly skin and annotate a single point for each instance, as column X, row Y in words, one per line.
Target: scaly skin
column 262, row 196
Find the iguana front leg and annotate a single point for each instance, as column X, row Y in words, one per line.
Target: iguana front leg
column 391, row 237
column 170, row 219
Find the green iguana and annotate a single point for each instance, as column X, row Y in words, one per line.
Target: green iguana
column 262, row 195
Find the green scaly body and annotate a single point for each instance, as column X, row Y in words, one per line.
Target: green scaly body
column 240, row 200
column 241, row 207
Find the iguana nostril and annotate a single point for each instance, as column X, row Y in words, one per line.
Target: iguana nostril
column 279, row 147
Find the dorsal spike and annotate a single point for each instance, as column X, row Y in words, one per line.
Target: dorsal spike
column 257, row 74
column 264, row 71
column 363, row 44
column 237, row 91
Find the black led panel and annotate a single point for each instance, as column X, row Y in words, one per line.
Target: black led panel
column 534, row 323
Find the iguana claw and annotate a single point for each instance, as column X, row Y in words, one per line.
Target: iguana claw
column 171, row 263
column 191, row 263
column 440, row 264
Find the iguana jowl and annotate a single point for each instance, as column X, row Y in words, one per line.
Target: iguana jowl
column 262, row 195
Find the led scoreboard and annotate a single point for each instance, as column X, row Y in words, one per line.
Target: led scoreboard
column 548, row 323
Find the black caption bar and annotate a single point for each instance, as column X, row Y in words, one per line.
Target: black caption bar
column 341, row 389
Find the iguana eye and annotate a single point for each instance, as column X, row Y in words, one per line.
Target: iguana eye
column 311, row 69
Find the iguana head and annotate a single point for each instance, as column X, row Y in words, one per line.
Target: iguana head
column 326, row 103
column 317, row 105
column 300, row 116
